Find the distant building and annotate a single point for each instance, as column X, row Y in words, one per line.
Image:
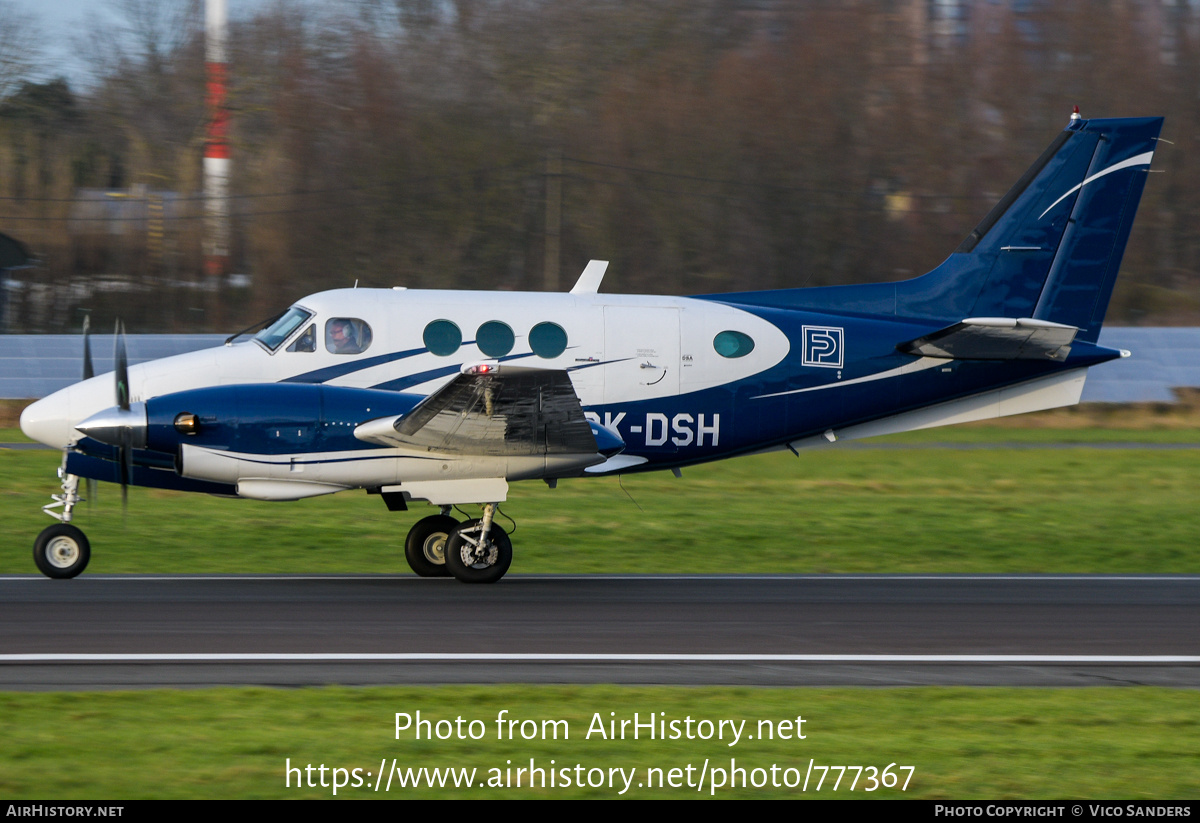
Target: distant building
column 138, row 231
column 13, row 255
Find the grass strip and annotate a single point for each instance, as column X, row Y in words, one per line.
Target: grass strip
column 963, row 743
column 898, row 511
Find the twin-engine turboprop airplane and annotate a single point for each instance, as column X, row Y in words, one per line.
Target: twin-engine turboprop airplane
column 447, row 397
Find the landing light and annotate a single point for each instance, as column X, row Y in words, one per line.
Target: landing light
column 186, row 423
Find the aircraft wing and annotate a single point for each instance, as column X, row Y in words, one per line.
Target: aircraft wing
column 495, row 411
column 996, row 338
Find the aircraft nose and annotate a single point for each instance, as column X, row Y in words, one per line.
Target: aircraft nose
column 46, row 421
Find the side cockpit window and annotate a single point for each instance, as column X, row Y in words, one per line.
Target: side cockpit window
column 347, row 335
column 273, row 335
column 306, row 341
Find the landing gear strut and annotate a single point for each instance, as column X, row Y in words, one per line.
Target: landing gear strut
column 477, row 551
column 62, row 551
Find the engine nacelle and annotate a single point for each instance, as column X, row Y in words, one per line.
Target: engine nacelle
column 267, row 419
column 243, row 435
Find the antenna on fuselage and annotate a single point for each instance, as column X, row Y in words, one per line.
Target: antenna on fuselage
column 589, row 281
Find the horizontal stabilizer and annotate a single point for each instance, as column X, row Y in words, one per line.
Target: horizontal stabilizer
column 505, row 411
column 996, row 338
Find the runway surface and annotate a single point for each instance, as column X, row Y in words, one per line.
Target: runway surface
column 136, row 631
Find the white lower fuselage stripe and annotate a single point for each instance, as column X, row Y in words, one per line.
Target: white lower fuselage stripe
column 908, row 368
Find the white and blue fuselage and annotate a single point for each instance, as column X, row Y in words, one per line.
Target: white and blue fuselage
column 678, row 380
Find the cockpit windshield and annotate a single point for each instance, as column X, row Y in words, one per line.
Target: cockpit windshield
column 273, row 335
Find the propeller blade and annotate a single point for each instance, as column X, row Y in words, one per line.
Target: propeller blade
column 91, row 491
column 121, row 367
column 126, row 458
column 88, row 371
column 125, row 449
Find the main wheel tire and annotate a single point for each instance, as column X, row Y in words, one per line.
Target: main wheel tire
column 425, row 546
column 61, row 551
column 470, row 565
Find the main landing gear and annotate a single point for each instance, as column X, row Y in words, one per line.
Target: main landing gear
column 62, row 551
column 477, row 551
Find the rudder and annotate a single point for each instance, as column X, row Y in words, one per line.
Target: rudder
column 1081, row 278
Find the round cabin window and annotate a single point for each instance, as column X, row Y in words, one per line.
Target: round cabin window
column 442, row 338
column 547, row 340
column 495, row 339
column 733, row 344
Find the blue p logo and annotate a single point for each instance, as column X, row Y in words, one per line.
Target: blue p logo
column 823, row 346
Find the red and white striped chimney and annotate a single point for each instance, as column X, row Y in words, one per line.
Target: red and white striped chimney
column 216, row 145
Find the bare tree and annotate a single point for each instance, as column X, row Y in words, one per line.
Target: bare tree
column 20, row 46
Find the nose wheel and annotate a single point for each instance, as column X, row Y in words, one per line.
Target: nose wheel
column 61, row 551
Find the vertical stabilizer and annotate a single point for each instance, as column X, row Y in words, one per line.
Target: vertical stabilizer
column 1101, row 207
column 1053, row 244
column 1050, row 249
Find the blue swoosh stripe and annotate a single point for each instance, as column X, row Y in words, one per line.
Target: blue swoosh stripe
column 331, row 372
column 408, row 381
column 339, row 459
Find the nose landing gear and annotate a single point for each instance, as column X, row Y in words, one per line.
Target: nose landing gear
column 62, row 551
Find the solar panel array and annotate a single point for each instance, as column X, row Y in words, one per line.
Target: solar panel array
column 1161, row 359
column 35, row 365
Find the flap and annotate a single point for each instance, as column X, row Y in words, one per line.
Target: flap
column 493, row 411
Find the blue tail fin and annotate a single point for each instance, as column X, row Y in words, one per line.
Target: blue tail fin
column 1080, row 281
column 1050, row 249
column 1054, row 243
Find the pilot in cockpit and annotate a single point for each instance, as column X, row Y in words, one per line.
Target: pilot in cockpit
column 346, row 335
column 339, row 337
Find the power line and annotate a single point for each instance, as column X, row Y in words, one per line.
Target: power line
column 124, row 198
column 748, row 202
column 750, row 184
